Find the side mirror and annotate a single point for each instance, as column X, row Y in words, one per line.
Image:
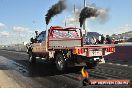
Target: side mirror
column 32, row 40
column 36, row 32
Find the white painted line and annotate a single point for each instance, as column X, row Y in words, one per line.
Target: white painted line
column 110, row 63
column 118, row 64
column 121, row 65
column 125, row 65
column 130, row 66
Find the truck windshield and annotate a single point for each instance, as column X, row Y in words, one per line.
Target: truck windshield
column 66, row 34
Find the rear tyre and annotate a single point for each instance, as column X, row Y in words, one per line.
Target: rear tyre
column 60, row 62
column 32, row 58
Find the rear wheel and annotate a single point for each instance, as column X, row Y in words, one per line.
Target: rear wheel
column 32, row 58
column 60, row 62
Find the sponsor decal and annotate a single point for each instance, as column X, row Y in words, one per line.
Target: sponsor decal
column 86, row 81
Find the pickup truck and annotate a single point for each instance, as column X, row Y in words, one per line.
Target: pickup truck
column 64, row 46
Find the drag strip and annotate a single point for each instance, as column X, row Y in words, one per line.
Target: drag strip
column 44, row 74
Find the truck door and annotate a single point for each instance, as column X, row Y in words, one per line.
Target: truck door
column 40, row 45
column 43, row 42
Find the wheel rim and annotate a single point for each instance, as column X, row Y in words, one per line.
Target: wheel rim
column 60, row 63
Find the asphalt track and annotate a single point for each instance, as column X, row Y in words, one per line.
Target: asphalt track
column 45, row 75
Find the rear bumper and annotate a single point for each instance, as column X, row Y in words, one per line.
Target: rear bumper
column 94, row 51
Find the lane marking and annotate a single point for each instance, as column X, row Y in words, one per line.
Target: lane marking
column 118, row 64
column 125, row 65
column 110, row 63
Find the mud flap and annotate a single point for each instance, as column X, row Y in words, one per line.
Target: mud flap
column 102, row 60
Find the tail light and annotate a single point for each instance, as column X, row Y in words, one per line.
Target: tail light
column 110, row 49
column 82, row 51
column 76, row 51
column 107, row 49
column 79, row 51
column 113, row 49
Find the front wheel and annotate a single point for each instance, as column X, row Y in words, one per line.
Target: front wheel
column 32, row 58
column 60, row 62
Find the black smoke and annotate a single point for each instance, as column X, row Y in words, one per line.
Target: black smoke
column 54, row 10
column 87, row 12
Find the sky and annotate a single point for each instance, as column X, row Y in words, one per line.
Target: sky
column 20, row 18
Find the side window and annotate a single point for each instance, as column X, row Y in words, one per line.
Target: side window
column 44, row 36
column 41, row 37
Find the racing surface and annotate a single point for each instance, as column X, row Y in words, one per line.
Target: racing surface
column 45, row 75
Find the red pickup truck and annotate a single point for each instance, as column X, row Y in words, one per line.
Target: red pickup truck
column 64, row 46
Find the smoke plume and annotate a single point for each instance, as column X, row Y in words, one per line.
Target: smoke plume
column 87, row 12
column 93, row 11
column 54, row 10
column 103, row 15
